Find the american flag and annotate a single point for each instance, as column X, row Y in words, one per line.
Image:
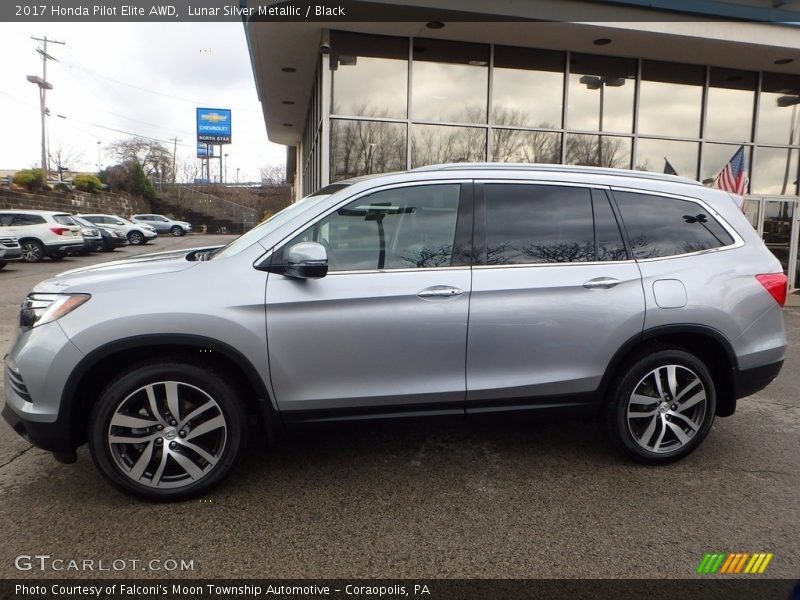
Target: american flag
column 732, row 178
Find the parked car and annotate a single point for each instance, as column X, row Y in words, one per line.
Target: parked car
column 164, row 224
column 92, row 239
column 9, row 248
column 42, row 233
column 137, row 233
column 111, row 238
column 643, row 299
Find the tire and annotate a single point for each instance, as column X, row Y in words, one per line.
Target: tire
column 57, row 257
column 32, row 251
column 136, row 238
column 3, row 264
column 661, row 427
column 177, row 231
column 171, row 463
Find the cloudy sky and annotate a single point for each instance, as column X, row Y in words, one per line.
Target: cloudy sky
column 138, row 78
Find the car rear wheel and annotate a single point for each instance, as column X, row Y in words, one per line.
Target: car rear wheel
column 32, row 250
column 136, row 238
column 661, row 406
column 167, row 431
column 177, row 231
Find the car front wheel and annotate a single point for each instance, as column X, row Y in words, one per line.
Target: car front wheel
column 167, row 431
column 136, row 238
column 177, row 231
column 661, row 407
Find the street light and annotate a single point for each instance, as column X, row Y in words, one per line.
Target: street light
column 98, row 156
column 43, row 87
column 225, row 176
column 593, row 82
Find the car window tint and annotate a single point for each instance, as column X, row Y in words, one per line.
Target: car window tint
column 401, row 228
column 609, row 238
column 6, row 220
column 28, row 220
column 529, row 224
column 660, row 226
column 64, row 220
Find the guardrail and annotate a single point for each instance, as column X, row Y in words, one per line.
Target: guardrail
column 188, row 198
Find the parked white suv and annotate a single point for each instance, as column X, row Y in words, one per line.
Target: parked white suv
column 9, row 247
column 43, row 233
column 137, row 233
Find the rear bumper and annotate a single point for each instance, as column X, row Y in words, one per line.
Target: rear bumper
column 750, row 381
column 64, row 248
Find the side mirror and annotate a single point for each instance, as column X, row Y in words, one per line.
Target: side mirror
column 306, row 260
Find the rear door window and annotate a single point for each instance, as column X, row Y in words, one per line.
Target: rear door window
column 660, row 226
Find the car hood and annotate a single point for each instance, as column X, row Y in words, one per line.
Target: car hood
column 141, row 266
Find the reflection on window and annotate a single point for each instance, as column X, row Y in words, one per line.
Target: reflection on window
column 436, row 144
column 751, row 210
column 528, row 87
column 666, row 156
column 671, row 99
column 778, row 114
column 528, row 224
column 513, row 145
column 402, row 228
column 601, row 93
column 599, row 151
column 369, row 76
column 365, row 147
column 716, row 156
column 731, row 100
column 450, row 81
column 659, row 226
column 775, row 171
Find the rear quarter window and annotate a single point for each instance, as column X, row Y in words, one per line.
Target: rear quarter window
column 64, row 220
column 660, row 226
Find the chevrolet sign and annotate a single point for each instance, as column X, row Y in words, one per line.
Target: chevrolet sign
column 214, row 125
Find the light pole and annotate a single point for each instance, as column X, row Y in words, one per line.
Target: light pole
column 783, row 102
column 593, row 82
column 225, row 176
column 98, row 156
column 44, row 85
column 237, row 175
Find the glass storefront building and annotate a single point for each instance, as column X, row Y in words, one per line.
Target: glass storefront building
column 379, row 103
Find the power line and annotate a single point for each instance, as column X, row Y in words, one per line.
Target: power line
column 149, row 91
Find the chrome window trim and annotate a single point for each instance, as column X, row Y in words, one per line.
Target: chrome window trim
column 388, row 186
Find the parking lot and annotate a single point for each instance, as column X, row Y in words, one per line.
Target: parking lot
column 521, row 499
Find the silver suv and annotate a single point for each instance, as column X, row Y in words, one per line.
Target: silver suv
column 648, row 301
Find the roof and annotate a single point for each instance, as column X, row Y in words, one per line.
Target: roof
column 556, row 169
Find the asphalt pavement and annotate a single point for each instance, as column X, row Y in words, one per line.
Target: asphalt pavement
column 523, row 499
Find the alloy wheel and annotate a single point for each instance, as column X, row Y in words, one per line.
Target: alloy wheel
column 167, row 435
column 135, row 238
column 31, row 252
column 667, row 408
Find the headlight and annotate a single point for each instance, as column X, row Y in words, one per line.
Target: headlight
column 38, row 309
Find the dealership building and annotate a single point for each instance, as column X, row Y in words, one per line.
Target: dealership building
column 624, row 84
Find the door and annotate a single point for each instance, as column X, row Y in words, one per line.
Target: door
column 555, row 296
column 385, row 331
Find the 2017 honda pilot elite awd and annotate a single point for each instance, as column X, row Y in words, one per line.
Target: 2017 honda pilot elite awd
column 647, row 300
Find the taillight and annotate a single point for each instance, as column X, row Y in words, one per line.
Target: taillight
column 775, row 284
column 59, row 230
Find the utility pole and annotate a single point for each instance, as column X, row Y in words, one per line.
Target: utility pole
column 44, row 85
column 175, row 141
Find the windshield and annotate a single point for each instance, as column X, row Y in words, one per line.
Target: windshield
column 275, row 221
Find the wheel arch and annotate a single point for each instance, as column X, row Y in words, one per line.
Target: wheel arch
column 707, row 343
column 98, row 367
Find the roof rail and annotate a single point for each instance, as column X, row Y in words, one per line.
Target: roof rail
column 556, row 169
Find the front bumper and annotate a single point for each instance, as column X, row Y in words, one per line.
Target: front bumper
column 43, row 358
column 10, row 253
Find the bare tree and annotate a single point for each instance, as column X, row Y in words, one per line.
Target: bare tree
column 65, row 158
column 273, row 174
column 154, row 157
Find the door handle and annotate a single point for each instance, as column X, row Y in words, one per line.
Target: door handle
column 440, row 291
column 601, row 283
